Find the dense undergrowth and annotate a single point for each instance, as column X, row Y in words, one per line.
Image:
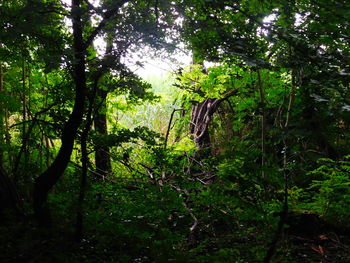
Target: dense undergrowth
column 226, row 218
column 240, row 156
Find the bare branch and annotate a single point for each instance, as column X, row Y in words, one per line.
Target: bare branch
column 169, row 126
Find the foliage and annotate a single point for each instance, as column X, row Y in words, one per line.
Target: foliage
column 329, row 191
column 273, row 184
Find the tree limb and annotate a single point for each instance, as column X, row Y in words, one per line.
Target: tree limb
column 106, row 16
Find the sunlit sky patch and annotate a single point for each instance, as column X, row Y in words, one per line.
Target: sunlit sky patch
column 151, row 66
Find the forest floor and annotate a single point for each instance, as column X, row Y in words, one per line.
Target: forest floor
column 304, row 240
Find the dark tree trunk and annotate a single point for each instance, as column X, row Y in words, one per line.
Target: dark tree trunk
column 102, row 156
column 2, row 117
column 48, row 179
column 84, row 174
column 85, row 161
column 200, row 118
column 24, row 118
column 201, row 115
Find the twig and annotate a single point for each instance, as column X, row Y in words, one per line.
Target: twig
column 195, row 219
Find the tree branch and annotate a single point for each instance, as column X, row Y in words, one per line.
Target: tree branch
column 106, row 16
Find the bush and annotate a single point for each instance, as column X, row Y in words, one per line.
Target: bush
column 330, row 190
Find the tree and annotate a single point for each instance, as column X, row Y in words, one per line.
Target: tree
column 222, row 30
column 207, row 88
column 147, row 29
column 47, row 180
column 306, row 41
column 24, row 36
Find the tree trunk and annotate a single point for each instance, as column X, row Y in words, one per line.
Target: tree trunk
column 200, row 118
column 263, row 123
column 84, row 174
column 24, row 118
column 84, row 162
column 102, row 156
column 201, row 113
column 2, row 117
column 48, row 178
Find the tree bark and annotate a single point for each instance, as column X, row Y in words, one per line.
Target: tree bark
column 48, row 178
column 200, row 118
column 102, row 155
